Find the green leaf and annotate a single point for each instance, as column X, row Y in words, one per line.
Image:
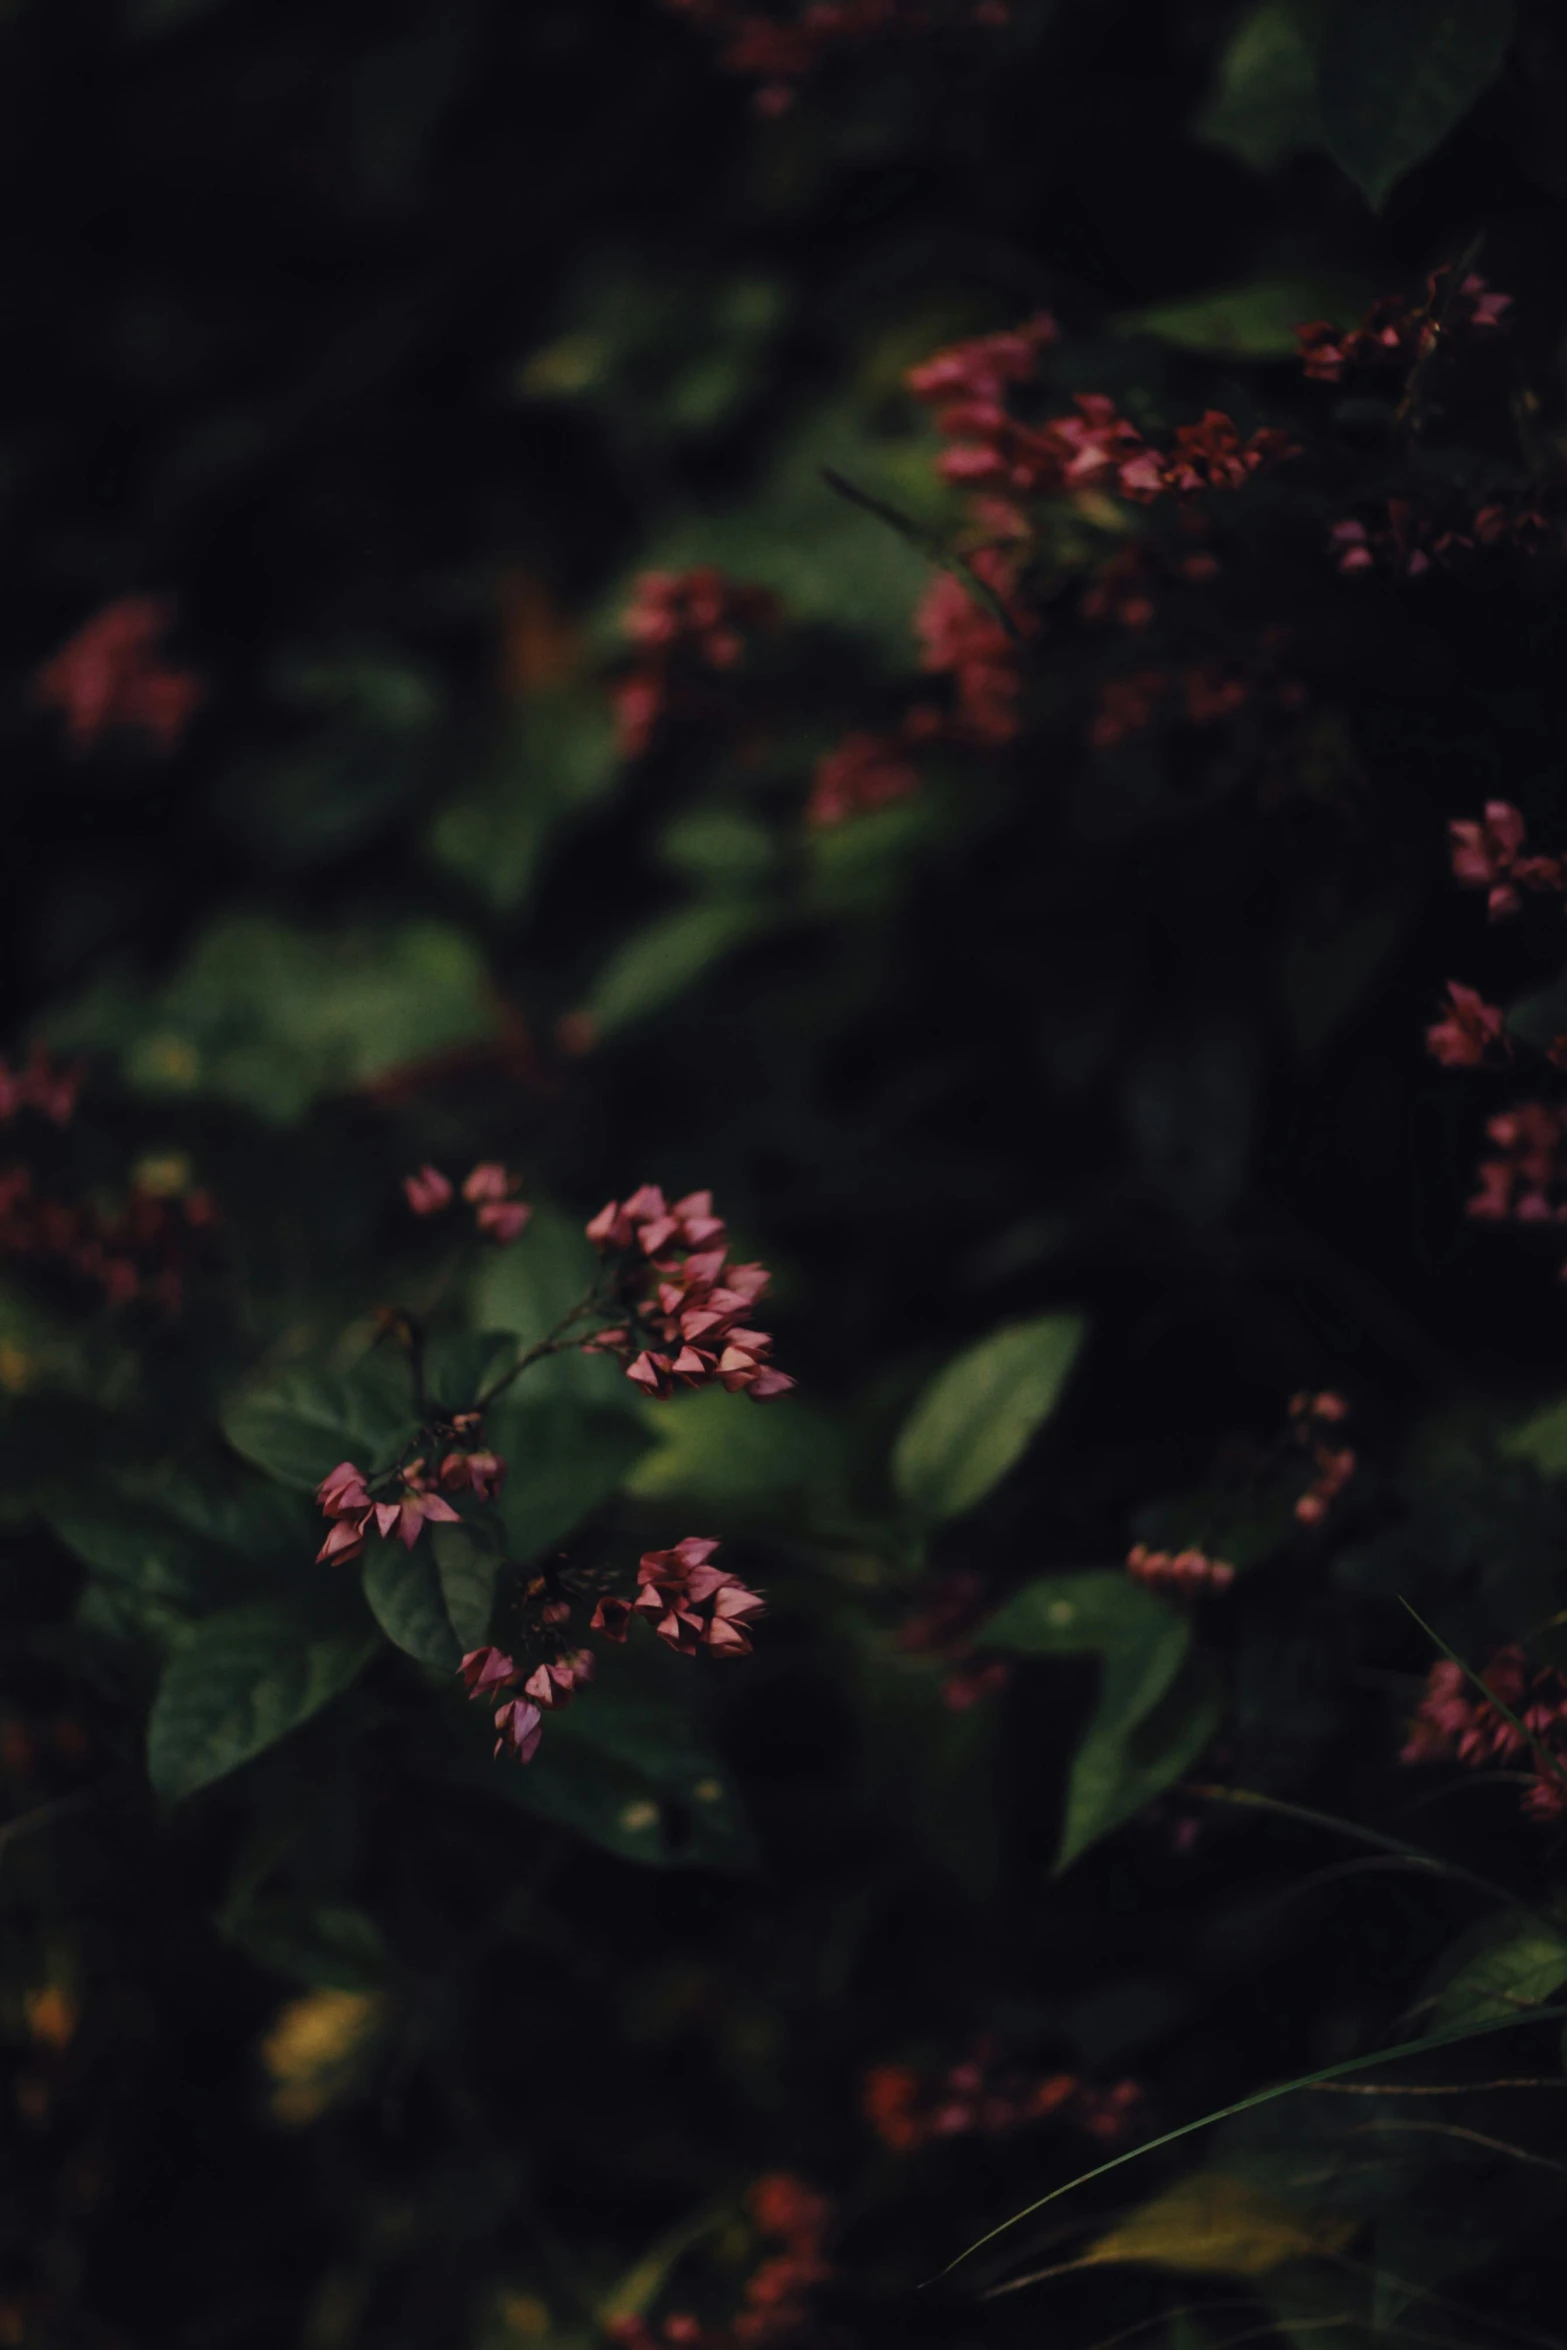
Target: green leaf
column 1264, row 108
column 1519, row 1969
column 560, row 759
column 1256, row 321
column 628, row 1766
column 663, row 961
column 408, row 1601
column 274, row 1017
column 1398, row 75
column 241, row 1682
column 301, row 1425
column 563, row 1461
column 976, row 1419
column 718, row 1448
column 466, row 1562
column 1158, row 1704
column 323, row 1942
column 528, row 1289
column 1541, row 1440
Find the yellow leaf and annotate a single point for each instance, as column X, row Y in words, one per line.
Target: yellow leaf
column 315, row 2050
column 1219, row 2225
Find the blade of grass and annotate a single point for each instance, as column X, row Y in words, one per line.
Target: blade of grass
column 1258, row 2097
column 1247, row 1798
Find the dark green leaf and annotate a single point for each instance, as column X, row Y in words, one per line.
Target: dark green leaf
column 1153, row 1718
column 976, row 1419
column 1264, row 108
column 1398, row 75
column 241, row 1682
column 301, row 1425
column 563, row 1461
column 406, row 1598
column 323, row 1942
column 466, row 1560
column 1523, row 1963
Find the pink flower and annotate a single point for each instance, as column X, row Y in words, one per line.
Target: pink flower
column 1487, row 854
column 1181, row 1575
column 503, row 1219
column 520, row 1726
column 959, row 636
column 1470, row 1031
column 690, row 1603
column 486, row 1669
column 866, row 771
column 682, row 1308
column 427, row 1191
column 110, row 678
column 557, row 1682
column 482, row 1473
column 488, row 1181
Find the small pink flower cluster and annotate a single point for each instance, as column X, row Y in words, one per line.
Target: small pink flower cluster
column 345, row 1497
column 994, row 452
column 779, row 53
column 1488, row 855
column 683, row 1299
column 109, row 678
column 776, row 2298
column 1453, row 1722
column 39, row 1086
column 863, row 772
column 142, row 1250
column 1518, row 1185
column 488, row 1191
column 519, row 1720
column 1180, row 1574
column 1411, row 540
column 961, row 639
column 691, row 1604
column 682, row 621
column 1333, row 1465
column 1470, row 1033
column 956, row 1604
column 908, row 2110
column 1395, row 332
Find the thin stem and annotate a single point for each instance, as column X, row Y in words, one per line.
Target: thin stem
column 1456, row 2130
column 554, row 1342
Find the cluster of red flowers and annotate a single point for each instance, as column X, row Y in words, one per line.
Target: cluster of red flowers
column 141, row 1250
column 1517, row 1185
column 863, row 772
column 1470, row 1031
column 1396, row 332
column 776, row 2298
column 780, row 52
column 682, row 1299
column 519, row 1719
column 39, row 1086
column 412, row 1503
column 1180, row 1574
column 995, row 452
column 110, row 678
column 1128, row 705
column 682, row 622
column 488, row 1191
column 908, row 2109
column 1454, row 1722
column 691, row 1604
column 959, row 1601
column 1333, row 1465
column 1488, row 854
column 1414, row 540
column 1120, row 589
column 960, row 638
